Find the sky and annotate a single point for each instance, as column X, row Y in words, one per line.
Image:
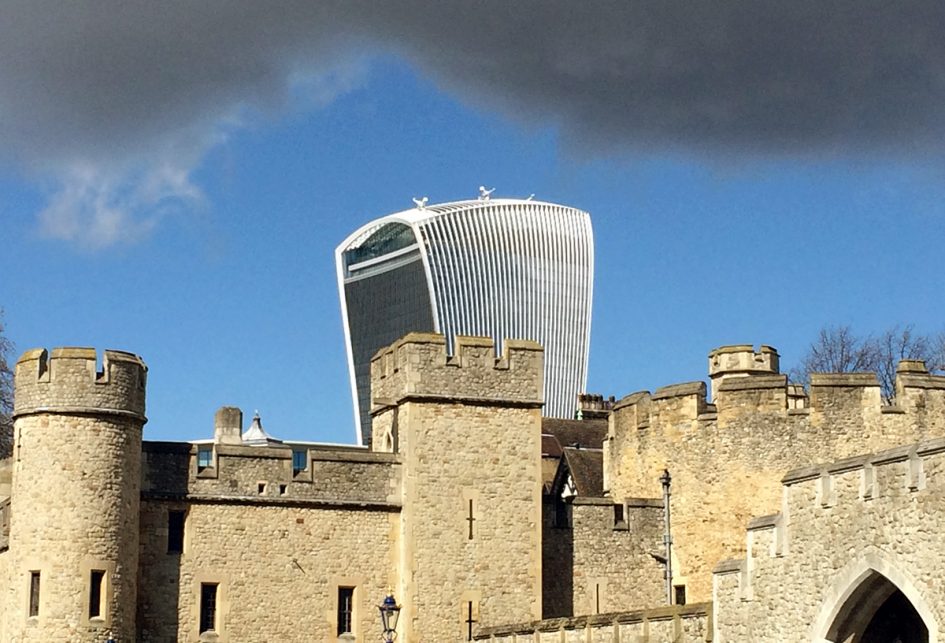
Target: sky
column 175, row 176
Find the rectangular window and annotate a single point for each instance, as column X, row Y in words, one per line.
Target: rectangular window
column 345, row 609
column 204, row 457
column 208, row 607
column 34, row 594
column 680, row 594
column 175, row 532
column 96, row 587
column 618, row 514
column 299, row 461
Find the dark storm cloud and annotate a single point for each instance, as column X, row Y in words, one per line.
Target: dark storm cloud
column 754, row 77
column 117, row 101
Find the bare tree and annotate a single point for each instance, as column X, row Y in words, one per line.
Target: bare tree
column 6, row 385
column 839, row 350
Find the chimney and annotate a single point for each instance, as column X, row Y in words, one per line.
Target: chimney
column 228, row 425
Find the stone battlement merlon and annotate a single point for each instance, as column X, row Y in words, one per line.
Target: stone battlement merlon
column 419, row 367
column 68, row 380
column 686, row 401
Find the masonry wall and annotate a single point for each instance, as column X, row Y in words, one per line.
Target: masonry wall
column 5, row 575
column 614, row 567
column 468, row 430
column 841, row 525
column 727, row 458
column 278, row 567
column 683, row 624
column 279, row 542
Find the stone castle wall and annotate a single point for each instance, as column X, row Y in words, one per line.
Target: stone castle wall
column 75, row 494
column 606, row 548
column 278, row 568
column 854, row 523
column 468, row 428
column 602, row 561
column 278, row 542
column 679, row 624
column 727, row 458
column 447, row 512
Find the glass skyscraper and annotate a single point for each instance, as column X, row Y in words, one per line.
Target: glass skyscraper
column 500, row 268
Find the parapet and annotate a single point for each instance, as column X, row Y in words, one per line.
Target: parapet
column 418, row 367
column 745, row 382
column 68, row 380
column 741, row 360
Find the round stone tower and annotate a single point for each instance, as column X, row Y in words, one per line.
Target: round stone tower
column 76, row 496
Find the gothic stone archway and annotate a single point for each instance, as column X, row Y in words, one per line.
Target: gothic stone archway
column 872, row 599
column 877, row 611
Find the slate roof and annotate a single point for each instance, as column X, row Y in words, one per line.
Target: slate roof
column 558, row 434
column 587, row 471
column 586, row 433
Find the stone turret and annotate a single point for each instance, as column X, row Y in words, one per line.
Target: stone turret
column 76, row 496
column 741, row 361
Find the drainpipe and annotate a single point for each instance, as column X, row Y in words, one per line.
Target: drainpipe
column 665, row 480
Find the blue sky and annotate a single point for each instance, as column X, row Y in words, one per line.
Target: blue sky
column 225, row 282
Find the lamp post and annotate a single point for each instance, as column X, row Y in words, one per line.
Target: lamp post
column 665, row 480
column 390, row 610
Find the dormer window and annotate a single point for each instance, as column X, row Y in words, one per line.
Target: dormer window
column 299, row 461
column 204, row 457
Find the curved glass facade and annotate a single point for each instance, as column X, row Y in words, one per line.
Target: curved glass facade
column 502, row 268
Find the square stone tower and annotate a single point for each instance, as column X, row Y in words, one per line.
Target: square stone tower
column 468, row 429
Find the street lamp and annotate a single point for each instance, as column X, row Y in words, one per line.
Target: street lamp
column 390, row 610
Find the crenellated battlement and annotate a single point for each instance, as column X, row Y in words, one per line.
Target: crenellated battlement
column 418, row 366
column 68, row 380
column 761, row 390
